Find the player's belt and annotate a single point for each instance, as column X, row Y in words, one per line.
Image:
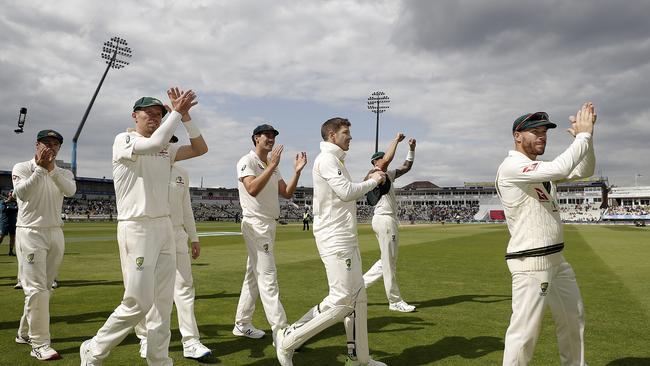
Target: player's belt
column 537, row 252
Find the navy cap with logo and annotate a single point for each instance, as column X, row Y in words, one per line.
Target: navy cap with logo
column 265, row 128
column 49, row 133
column 532, row 120
column 148, row 102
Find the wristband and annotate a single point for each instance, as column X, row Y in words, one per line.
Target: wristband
column 192, row 130
column 410, row 156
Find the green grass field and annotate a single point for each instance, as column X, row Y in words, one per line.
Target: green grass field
column 454, row 274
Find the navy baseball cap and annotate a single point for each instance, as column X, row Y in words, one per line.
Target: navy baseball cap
column 265, row 128
column 49, row 133
column 148, row 102
column 532, row 120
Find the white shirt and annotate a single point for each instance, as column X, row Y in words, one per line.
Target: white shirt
column 180, row 202
column 141, row 181
column 40, row 193
column 387, row 204
column 335, row 201
column 531, row 209
column 266, row 204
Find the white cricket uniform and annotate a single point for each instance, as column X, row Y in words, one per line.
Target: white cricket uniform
column 39, row 241
column 335, row 230
column 146, row 243
column 540, row 274
column 258, row 229
column 184, row 228
column 385, row 225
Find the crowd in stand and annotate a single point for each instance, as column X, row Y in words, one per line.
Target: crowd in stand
column 629, row 210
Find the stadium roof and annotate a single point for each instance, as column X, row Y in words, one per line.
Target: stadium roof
column 420, row 184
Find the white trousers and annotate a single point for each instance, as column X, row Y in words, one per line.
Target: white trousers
column 531, row 292
column 346, row 298
column 39, row 252
column 386, row 231
column 183, row 293
column 148, row 259
column 261, row 279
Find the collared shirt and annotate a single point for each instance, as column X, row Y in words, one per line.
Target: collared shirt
column 387, row 204
column 335, row 200
column 40, row 193
column 141, row 181
column 266, row 204
column 180, row 202
column 527, row 189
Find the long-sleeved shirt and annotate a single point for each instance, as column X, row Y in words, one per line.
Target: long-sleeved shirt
column 335, row 200
column 40, row 193
column 141, row 178
column 180, row 203
column 527, row 189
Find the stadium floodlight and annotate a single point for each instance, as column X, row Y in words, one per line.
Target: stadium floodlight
column 113, row 51
column 378, row 104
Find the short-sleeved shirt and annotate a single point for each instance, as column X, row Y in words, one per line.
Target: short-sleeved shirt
column 266, row 204
column 387, row 204
column 141, row 181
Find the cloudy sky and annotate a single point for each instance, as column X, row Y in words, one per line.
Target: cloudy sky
column 457, row 72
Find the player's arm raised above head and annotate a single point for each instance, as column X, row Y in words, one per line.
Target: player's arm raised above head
column 408, row 163
column 390, row 152
column 587, row 165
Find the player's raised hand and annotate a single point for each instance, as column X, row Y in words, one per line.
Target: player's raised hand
column 584, row 120
column 400, row 137
column 300, row 162
column 412, row 144
column 275, row 156
column 181, row 101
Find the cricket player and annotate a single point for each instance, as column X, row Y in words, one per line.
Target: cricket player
column 184, row 228
column 335, row 230
column 8, row 217
column 385, row 225
column 259, row 184
column 541, row 276
column 39, row 188
column 142, row 161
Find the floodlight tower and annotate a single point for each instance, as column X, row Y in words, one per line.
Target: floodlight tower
column 112, row 48
column 377, row 104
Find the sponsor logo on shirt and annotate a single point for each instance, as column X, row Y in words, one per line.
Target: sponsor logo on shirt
column 531, row 168
column 179, row 180
column 339, row 171
column 243, row 167
column 128, row 139
column 541, row 195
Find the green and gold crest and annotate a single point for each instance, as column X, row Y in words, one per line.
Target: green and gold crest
column 30, row 258
column 139, row 262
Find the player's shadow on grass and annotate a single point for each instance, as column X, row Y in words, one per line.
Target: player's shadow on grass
column 446, row 347
column 453, row 300
column 218, row 295
column 98, row 316
column 84, row 283
column 630, row 361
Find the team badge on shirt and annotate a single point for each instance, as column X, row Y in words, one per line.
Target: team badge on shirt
column 179, row 180
column 139, row 262
column 348, row 263
column 543, row 287
column 266, row 248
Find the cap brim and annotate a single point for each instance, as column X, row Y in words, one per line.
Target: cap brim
column 152, row 105
column 548, row 124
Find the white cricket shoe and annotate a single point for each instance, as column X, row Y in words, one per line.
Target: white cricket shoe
column 247, row 330
column 196, row 350
column 45, row 353
column 143, row 348
column 22, row 340
column 86, row 357
column 351, row 362
column 285, row 356
column 401, row 306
